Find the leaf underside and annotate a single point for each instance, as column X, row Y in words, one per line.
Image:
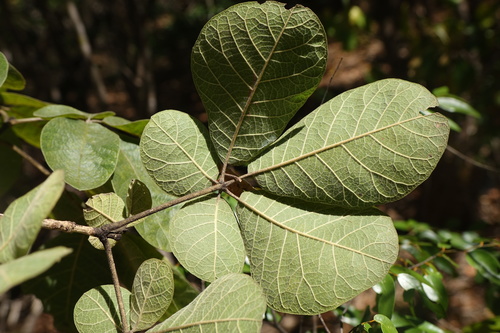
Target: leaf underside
column 254, row 65
column 367, row 146
column 311, row 259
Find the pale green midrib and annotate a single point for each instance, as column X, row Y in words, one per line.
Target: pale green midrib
column 185, row 153
column 331, row 146
column 303, row 234
column 250, row 98
column 206, row 322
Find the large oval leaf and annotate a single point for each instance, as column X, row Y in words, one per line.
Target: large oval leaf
column 207, row 240
column 86, row 151
column 311, row 259
column 177, row 154
column 233, row 303
column 254, row 66
column 367, row 146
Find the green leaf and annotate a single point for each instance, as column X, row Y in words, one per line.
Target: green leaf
column 486, row 264
column 206, row 239
column 11, row 166
column 23, row 218
column 86, row 151
column 55, row 110
column 19, row 270
column 233, row 303
column 138, row 199
column 386, row 293
column 254, row 65
column 310, row 259
column 10, row 78
column 184, row 293
column 177, row 153
column 129, row 167
column 151, row 294
column 367, row 146
column 385, row 323
column 131, row 127
column 103, row 209
column 455, row 104
column 15, row 99
column 62, row 285
column 97, row 310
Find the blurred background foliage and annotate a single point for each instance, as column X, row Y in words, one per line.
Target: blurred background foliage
column 133, row 57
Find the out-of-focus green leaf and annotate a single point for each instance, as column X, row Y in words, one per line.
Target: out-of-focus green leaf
column 4, row 68
column 10, row 77
column 485, row 326
column 97, row 310
column 486, row 264
column 23, row 218
column 122, row 124
column 19, row 270
column 386, row 293
column 385, row 323
column 86, row 151
column 455, row 104
column 15, row 99
column 184, row 293
column 56, row 110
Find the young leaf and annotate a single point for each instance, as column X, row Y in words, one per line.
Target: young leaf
column 254, row 65
column 103, row 209
column 97, row 310
column 151, row 293
column 177, row 153
column 86, row 151
column 19, row 270
column 310, row 259
column 233, row 303
column 367, row 146
column 206, row 239
column 23, row 218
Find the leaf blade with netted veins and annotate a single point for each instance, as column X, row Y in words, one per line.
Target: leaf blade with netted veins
column 176, row 152
column 311, row 259
column 254, row 66
column 367, row 146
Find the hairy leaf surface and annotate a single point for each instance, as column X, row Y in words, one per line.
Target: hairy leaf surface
column 233, row 303
column 367, row 146
column 254, row 66
column 97, row 310
column 86, row 151
column 23, row 218
column 151, row 294
column 206, row 239
column 310, row 259
column 176, row 151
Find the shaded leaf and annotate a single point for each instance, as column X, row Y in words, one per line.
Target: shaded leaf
column 151, row 294
column 184, row 293
column 310, row 259
column 177, row 153
column 97, row 310
column 455, row 104
column 130, row 127
column 62, row 285
column 486, row 264
column 240, row 58
column 367, row 146
column 138, row 199
column 15, row 99
column 19, row 270
column 10, row 78
column 4, row 68
column 233, row 303
column 86, row 151
column 385, row 323
column 23, row 218
column 386, row 293
column 206, row 239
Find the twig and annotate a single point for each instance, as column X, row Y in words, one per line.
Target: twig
column 31, row 160
column 330, row 81
column 471, row 160
column 68, row 226
column 324, row 323
column 116, row 283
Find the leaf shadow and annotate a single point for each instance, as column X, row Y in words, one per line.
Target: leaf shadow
column 113, row 310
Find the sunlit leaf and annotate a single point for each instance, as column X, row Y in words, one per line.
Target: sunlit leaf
column 55, row 110
column 177, row 153
column 23, row 218
column 97, row 310
column 254, row 66
column 151, row 294
column 10, row 78
column 206, row 239
column 310, row 259
column 86, row 151
column 233, row 303
column 367, row 146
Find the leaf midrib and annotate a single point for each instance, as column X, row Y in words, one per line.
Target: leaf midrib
column 251, row 96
